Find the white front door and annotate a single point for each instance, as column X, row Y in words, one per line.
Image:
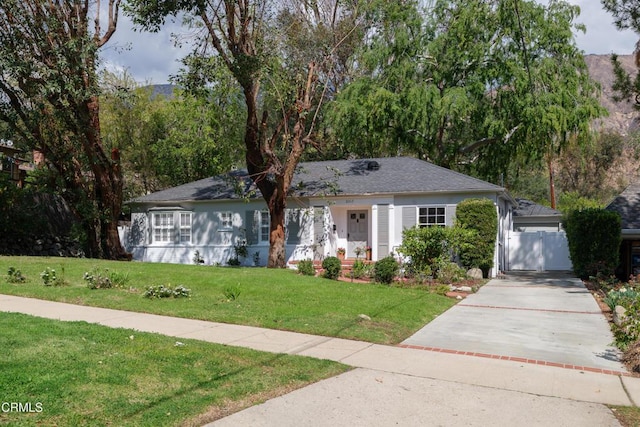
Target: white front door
column 357, row 232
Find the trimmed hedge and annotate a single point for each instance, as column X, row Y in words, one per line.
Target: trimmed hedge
column 594, row 237
column 479, row 215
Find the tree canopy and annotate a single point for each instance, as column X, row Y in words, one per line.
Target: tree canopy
column 283, row 55
column 49, row 98
column 473, row 85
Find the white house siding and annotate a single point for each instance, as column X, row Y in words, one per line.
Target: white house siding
column 213, row 242
column 405, row 215
column 320, row 227
column 336, row 211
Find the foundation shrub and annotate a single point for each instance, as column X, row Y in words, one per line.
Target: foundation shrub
column 332, row 267
column 594, row 237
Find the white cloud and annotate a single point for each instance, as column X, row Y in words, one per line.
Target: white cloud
column 602, row 36
column 148, row 57
column 152, row 57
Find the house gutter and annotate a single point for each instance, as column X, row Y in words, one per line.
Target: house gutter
column 632, row 233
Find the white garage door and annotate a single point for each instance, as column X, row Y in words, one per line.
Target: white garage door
column 539, row 251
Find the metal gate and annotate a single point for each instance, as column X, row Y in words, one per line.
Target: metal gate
column 539, row 251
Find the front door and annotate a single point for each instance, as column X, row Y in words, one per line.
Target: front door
column 357, row 232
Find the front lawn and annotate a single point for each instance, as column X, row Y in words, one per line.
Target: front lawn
column 56, row 373
column 276, row 299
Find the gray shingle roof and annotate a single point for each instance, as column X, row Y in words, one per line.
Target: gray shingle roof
column 627, row 204
column 528, row 208
column 337, row 177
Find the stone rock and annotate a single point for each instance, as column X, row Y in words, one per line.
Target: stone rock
column 459, row 297
column 619, row 315
column 364, row 317
column 474, row 273
column 465, row 289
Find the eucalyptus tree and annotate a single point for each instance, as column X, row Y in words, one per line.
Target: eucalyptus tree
column 283, row 55
column 473, row 85
column 49, row 97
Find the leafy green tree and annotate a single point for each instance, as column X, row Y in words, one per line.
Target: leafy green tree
column 49, row 98
column 282, row 55
column 475, row 85
column 168, row 141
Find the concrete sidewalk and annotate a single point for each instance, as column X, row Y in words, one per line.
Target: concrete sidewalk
column 394, row 385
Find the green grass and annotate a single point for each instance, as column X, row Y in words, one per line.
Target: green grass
column 74, row 373
column 628, row 416
column 276, row 299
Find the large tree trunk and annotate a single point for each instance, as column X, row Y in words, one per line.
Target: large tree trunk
column 277, row 243
column 107, row 176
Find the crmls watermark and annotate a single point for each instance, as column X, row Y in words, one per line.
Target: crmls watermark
column 20, row 407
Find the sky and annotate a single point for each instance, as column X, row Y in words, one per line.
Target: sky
column 152, row 58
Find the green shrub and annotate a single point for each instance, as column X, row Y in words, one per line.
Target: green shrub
column 306, row 268
column 450, row 272
column 479, row 215
column 428, row 248
column 15, row 276
column 332, row 267
column 162, row 291
column 628, row 332
column 385, row 270
column 359, row 269
column 594, row 237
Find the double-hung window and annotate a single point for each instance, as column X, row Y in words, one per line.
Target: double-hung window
column 185, row 227
column 162, row 227
column 171, row 227
column 264, row 226
column 432, row 215
column 226, row 221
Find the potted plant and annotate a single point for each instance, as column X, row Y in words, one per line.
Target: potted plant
column 341, row 253
column 358, row 251
column 368, row 252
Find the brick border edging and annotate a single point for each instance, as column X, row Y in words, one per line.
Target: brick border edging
column 518, row 359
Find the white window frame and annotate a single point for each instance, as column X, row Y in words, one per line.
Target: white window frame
column 162, row 229
column 264, row 221
column 186, row 227
column 434, row 212
column 171, row 227
column 226, row 221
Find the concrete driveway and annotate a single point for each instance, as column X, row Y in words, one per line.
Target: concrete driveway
column 541, row 317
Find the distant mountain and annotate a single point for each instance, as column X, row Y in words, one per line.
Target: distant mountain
column 165, row 90
column 623, row 118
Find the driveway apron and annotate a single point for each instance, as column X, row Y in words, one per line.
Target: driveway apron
column 538, row 317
